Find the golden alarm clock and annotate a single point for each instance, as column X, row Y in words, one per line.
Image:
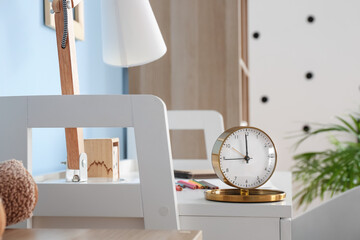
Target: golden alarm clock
column 244, row 158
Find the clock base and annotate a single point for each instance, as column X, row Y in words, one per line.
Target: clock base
column 245, row 195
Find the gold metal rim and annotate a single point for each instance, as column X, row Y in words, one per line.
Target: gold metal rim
column 251, row 196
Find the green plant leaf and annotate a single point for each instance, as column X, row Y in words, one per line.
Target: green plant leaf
column 333, row 128
column 330, row 171
column 351, row 128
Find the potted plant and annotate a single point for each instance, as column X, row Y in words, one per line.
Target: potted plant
column 333, row 170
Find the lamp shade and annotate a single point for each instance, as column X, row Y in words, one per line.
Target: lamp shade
column 130, row 33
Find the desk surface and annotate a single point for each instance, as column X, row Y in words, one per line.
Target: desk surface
column 190, row 202
column 96, row 234
column 193, row 202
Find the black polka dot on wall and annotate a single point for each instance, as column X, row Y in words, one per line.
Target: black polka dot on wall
column 306, row 128
column 309, row 75
column 310, row 19
column 264, row 99
column 256, row 35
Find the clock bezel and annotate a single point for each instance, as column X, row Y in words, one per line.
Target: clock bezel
column 215, row 155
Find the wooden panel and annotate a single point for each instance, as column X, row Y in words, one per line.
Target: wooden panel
column 243, row 23
column 184, row 72
column 192, row 148
column 184, row 59
column 77, row 234
column 201, row 67
column 154, row 78
column 211, row 47
column 208, row 125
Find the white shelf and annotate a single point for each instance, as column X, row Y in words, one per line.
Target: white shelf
column 124, row 199
column 193, row 202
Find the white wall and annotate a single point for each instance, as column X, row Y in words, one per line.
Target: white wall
column 287, row 48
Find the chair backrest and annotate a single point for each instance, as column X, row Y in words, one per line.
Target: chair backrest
column 210, row 121
column 146, row 113
column 338, row 218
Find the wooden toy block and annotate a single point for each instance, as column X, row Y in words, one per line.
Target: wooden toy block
column 103, row 158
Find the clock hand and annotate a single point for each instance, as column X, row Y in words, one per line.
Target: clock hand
column 234, row 159
column 238, row 152
column 247, row 158
column 246, row 144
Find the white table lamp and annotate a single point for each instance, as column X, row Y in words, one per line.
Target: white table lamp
column 130, row 33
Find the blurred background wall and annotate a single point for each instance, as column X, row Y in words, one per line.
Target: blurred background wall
column 29, row 66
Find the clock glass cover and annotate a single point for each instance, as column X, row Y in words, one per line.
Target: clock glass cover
column 245, row 158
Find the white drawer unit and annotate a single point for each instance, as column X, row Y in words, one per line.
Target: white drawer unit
column 233, row 227
column 223, row 220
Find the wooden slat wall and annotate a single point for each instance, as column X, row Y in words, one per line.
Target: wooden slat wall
column 201, row 67
column 243, row 15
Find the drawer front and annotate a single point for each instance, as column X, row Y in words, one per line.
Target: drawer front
column 231, row 228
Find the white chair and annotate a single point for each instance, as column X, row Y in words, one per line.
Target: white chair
column 339, row 218
column 210, row 121
column 153, row 199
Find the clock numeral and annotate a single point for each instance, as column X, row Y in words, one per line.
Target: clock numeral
column 227, row 170
column 236, row 136
column 235, row 177
column 247, row 133
column 271, row 155
column 227, row 145
column 258, row 178
column 246, row 181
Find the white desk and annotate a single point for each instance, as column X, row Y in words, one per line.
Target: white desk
column 155, row 198
column 221, row 220
column 217, row 220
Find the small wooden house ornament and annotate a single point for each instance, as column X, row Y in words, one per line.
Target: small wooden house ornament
column 103, row 158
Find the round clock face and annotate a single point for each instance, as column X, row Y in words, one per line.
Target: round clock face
column 245, row 158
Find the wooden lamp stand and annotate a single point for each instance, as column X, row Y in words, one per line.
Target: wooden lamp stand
column 69, row 78
column 99, row 152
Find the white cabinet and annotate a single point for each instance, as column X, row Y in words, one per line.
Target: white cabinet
column 221, row 220
column 233, row 227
